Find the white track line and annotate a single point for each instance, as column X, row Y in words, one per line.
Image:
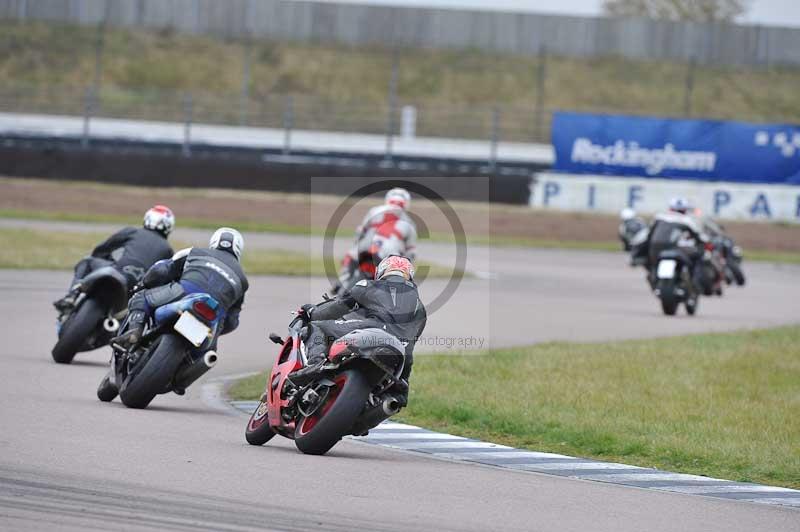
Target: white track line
column 459, row 449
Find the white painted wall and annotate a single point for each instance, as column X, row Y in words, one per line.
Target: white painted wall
column 608, row 194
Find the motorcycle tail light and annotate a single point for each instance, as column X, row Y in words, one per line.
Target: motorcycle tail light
column 205, row 312
column 709, row 246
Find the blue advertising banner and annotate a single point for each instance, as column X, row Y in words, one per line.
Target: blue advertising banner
column 695, row 149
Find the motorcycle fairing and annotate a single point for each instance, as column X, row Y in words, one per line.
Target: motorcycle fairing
column 172, row 311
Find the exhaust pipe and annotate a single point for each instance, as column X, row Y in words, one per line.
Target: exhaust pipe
column 111, row 325
column 375, row 415
column 191, row 373
column 391, row 406
column 210, row 359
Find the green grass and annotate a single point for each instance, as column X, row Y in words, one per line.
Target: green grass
column 772, row 256
column 260, row 227
column 721, row 405
column 196, row 223
column 57, row 250
column 153, row 69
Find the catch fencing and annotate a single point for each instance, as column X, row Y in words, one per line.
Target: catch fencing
column 523, row 33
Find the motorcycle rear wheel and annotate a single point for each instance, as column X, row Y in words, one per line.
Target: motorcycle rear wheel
column 75, row 331
column 669, row 301
column 318, row 433
column 141, row 386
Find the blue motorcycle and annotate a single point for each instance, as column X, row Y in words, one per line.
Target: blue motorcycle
column 175, row 350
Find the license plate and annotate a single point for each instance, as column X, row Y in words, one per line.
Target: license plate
column 192, row 329
column 666, row 269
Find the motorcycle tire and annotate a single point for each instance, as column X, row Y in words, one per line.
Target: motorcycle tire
column 669, row 301
column 691, row 305
column 318, row 433
column 107, row 391
column 258, row 430
column 75, row 331
column 141, row 386
column 738, row 274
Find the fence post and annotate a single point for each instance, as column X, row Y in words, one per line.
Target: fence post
column 88, row 104
column 390, row 126
column 541, row 77
column 687, row 98
column 495, row 140
column 99, row 46
column 288, row 122
column 245, row 96
column 188, row 106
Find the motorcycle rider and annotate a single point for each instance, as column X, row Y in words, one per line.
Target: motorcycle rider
column 131, row 251
column 629, row 227
column 670, row 227
column 215, row 271
column 390, row 302
column 386, row 230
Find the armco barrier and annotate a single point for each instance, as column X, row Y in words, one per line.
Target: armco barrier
column 164, row 164
column 724, row 200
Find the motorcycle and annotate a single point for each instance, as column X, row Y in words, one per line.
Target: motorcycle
column 101, row 302
column 365, row 269
column 174, row 351
column 732, row 255
column 713, row 270
column 352, row 394
column 673, row 281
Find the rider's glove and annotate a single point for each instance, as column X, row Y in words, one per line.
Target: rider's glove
column 305, row 311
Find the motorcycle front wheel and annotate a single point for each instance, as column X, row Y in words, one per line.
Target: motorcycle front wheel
column 318, row 433
column 142, row 385
column 691, row 305
column 75, row 331
column 738, row 274
column 258, row 430
column 107, row 390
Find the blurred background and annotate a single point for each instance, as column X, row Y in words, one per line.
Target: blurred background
column 437, row 69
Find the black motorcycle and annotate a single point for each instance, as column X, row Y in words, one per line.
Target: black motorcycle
column 101, row 302
column 673, row 281
column 174, row 351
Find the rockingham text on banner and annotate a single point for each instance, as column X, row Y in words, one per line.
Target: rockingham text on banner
column 685, row 149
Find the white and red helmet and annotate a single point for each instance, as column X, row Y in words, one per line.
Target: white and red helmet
column 159, row 218
column 395, row 265
column 399, row 197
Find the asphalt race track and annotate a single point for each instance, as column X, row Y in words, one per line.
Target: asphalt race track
column 69, row 462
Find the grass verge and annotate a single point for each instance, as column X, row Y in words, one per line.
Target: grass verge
column 56, row 250
column 721, row 405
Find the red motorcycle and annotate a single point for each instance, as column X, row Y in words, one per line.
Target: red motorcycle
column 354, row 392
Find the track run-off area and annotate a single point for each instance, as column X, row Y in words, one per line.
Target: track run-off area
column 70, row 462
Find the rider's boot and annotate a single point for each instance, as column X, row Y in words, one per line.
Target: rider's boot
column 133, row 334
column 307, row 374
column 68, row 301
